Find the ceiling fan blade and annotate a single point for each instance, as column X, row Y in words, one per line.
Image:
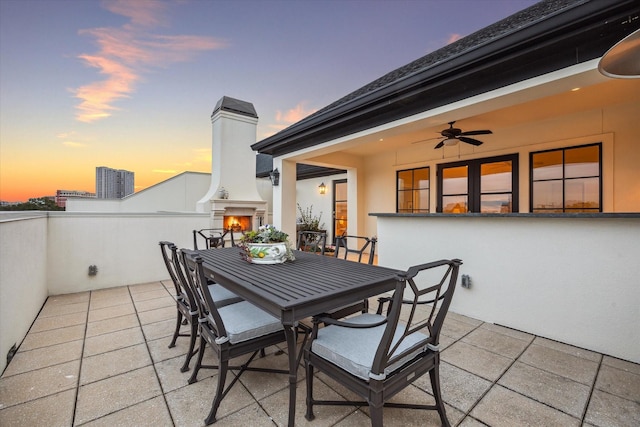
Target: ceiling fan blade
column 470, row 140
column 425, row 140
column 477, row 132
column 440, row 144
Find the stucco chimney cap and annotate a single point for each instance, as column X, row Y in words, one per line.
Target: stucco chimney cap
column 237, row 106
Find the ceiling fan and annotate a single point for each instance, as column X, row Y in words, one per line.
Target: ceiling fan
column 453, row 135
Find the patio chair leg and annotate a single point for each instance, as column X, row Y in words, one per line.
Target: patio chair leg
column 194, row 374
column 434, row 375
column 376, row 415
column 177, row 331
column 222, row 376
column 192, row 344
column 309, row 374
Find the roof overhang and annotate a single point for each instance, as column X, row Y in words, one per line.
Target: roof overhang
column 577, row 34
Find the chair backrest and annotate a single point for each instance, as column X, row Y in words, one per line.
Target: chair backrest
column 312, row 241
column 213, row 237
column 170, row 255
column 208, row 314
column 359, row 245
column 421, row 299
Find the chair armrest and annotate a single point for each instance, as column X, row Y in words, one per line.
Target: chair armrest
column 381, row 302
column 328, row 320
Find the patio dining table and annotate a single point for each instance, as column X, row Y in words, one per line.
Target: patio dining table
column 295, row 290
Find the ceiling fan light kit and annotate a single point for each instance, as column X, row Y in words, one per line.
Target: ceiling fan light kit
column 449, row 142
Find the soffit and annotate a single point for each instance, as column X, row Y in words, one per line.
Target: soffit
column 497, row 115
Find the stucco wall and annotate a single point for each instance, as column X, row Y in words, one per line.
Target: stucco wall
column 308, row 195
column 567, row 279
column 124, row 247
column 177, row 194
column 23, row 276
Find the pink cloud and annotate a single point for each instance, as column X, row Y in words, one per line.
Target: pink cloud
column 147, row 13
column 287, row 118
column 453, row 37
column 293, row 115
column 127, row 52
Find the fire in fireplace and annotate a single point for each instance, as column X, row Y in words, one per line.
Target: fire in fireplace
column 237, row 223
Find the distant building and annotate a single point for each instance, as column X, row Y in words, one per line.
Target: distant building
column 113, row 183
column 63, row 195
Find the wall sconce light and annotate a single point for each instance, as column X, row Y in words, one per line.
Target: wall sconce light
column 322, row 188
column 275, row 177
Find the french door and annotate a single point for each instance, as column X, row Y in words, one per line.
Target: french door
column 488, row 185
column 339, row 207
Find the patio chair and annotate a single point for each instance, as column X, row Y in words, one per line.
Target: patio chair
column 213, row 237
column 376, row 356
column 231, row 331
column 185, row 299
column 363, row 243
column 312, row 241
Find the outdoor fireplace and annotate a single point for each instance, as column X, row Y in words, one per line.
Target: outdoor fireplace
column 233, row 194
column 237, row 224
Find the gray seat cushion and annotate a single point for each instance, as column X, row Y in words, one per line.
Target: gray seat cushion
column 244, row 321
column 354, row 349
column 222, row 296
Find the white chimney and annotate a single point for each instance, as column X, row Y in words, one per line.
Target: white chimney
column 233, row 189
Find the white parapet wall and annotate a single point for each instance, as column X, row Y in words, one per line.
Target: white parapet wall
column 571, row 279
column 43, row 254
column 123, row 246
column 23, row 276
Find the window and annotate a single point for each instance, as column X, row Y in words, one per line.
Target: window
column 412, row 190
column 487, row 185
column 567, row 180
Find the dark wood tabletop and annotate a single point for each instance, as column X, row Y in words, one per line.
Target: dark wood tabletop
column 294, row 290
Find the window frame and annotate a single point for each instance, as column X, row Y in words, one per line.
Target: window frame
column 412, row 190
column 564, row 179
column 474, row 181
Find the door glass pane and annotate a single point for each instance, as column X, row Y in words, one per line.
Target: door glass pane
column 454, row 204
column 454, row 181
column 495, row 177
column 405, row 202
column 341, row 191
column 547, row 165
column 496, row 203
column 547, row 195
column 341, row 218
column 582, row 193
column 421, row 201
column 421, row 178
column 582, row 162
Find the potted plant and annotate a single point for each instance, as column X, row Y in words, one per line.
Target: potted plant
column 307, row 221
column 267, row 245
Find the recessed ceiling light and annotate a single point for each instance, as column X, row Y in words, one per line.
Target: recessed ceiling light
column 575, row 89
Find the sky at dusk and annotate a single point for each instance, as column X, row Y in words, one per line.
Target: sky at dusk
column 132, row 84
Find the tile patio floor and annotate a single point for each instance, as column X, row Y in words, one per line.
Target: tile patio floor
column 101, row 359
